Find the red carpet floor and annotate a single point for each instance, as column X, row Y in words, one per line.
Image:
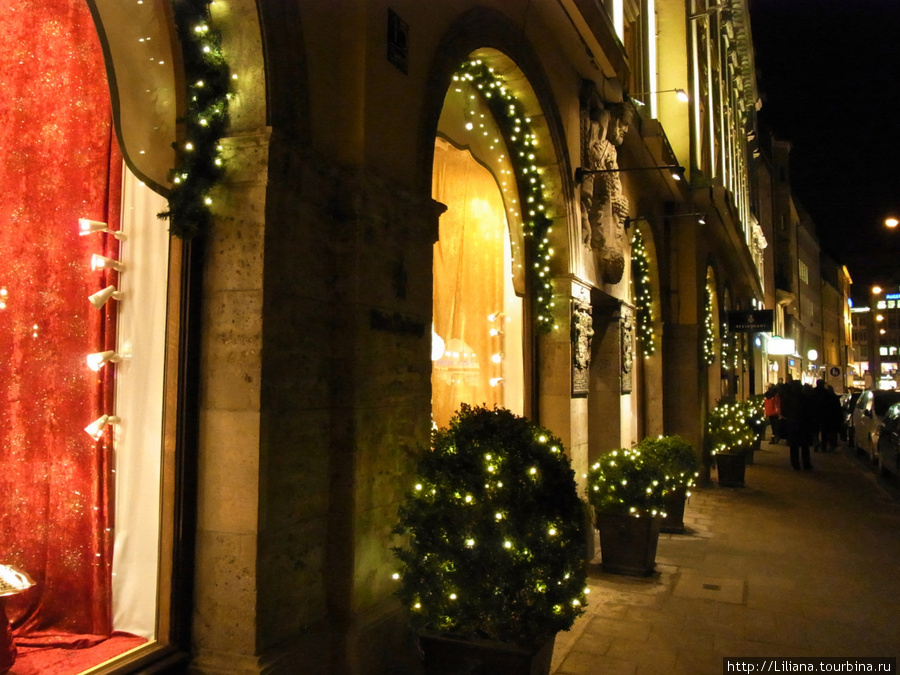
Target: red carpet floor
column 55, row 661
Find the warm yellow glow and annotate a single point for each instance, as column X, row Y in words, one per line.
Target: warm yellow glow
column 682, row 96
column 891, row 222
column 876, row 290
column 879, row 317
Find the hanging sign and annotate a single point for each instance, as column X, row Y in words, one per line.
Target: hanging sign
column 751, row 321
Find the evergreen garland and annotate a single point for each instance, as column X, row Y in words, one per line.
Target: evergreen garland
column 198, row 164
column 521, row 142
column 709, row 336
column 643, row 295
column 495, row 532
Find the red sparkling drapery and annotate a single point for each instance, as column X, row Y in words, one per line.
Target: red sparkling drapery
column 58, row 162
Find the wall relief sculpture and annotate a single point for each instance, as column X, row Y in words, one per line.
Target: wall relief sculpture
column 582, row 334
column 604, row 207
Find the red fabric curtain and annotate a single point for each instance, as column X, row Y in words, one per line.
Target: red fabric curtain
column 57, row 156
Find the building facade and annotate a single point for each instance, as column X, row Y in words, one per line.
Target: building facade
column 410, row 206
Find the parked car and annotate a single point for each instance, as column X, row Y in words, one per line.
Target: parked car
column 870, row 408
column 889, row 441
column 848, row 403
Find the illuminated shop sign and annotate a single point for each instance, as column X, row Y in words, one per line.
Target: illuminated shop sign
column 780, row 346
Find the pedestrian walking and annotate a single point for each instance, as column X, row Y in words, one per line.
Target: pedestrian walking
column 798, row 411
column 827, row 416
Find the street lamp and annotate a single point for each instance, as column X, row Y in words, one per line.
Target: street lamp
column 891, row 222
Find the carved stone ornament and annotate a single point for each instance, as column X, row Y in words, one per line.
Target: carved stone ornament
column 604, row 207
column 582, row 334
column 627, row 344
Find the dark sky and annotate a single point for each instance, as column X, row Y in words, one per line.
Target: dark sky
column 828, row 72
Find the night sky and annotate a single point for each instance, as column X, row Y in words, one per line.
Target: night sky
column 828, row 72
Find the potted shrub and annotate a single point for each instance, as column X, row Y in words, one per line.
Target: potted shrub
column 493, row 563
column 755, row 415
column 680, row 464
column 728, row 440
column 626, row 487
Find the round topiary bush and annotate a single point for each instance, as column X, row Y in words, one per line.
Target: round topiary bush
column 727, row 430
column 675, row 456
column 627, row 482
column 495, row 540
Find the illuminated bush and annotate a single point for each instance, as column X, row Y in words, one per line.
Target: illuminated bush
column 676, row 458
column 627, row 482
column 727, row 430
column 495, row 540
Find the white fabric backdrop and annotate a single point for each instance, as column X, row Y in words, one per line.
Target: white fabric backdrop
column 139, row 403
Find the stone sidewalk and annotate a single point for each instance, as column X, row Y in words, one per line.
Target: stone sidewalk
column 801, row 564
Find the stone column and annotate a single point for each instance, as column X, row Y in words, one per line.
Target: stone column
column 225, row 598
column 605, row 398
column 561, row 410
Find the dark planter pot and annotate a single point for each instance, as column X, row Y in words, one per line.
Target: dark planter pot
column 673, row 523
column 730, row 467
column 446, row 655
column 628, row 544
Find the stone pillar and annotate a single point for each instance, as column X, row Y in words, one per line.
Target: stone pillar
column 682, row 384
column 653, row 393
column 225, row 598
column 563, row 410
column 605, row 398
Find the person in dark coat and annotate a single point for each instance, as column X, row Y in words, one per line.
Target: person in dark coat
column 827, row 416
column 798, row 411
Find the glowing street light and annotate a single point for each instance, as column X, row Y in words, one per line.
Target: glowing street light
column 891, row 222
column 876, row 290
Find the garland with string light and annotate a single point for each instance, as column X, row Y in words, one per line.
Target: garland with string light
column 494, row 532
column 198, row 162
column 521, row 141
column 709, row 334
column 643, row 295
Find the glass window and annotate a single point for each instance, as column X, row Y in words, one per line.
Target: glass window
column 83, row 323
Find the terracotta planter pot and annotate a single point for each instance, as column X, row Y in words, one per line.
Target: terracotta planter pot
column 445, row 655
column 628, row 544
column 673, row 523
column 730, row 468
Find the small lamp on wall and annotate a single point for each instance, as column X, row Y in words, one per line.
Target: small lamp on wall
column 96, row 428
column 99, row 359
column 87, row 226
column 99, row 262
column 680, row 94
column 100, row 298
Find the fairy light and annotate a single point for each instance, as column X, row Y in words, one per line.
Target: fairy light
column 643, row 295
column 728, row 428
column 454, row 546
column 510, row 115
column 709, row 336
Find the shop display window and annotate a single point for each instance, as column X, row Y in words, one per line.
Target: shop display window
column 84, row 276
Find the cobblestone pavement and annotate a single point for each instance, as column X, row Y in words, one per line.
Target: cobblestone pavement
column 794, row 564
